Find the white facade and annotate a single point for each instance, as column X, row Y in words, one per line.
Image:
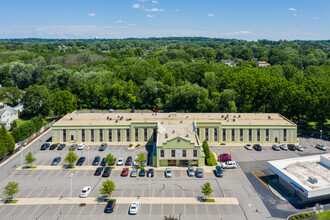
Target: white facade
column 7, row 116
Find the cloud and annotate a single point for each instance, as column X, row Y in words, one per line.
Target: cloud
column 92, row 14
column 292, row 9
column 118, row 22
column 239, row 32
column 211, row 15
column 151, row 16
column 137, row 6
column 132, row 25
column 295, row 15
column 155, row 2
column 154, row 9
column 143, row 0
column 315, row 18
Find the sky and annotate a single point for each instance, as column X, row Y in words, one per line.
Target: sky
column 239, row 19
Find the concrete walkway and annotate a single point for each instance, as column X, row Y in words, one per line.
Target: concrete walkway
column 121, row 200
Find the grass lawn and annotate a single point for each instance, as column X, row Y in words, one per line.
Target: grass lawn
column 22, row 119
column 11, row 201
column 208, row 200
column 323, row 215
column 107, row 200
column 30, row 167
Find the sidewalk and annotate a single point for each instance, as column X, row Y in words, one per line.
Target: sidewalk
column 121, row 200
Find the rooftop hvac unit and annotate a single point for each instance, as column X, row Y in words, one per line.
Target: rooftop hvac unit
column 70, row 118
column 187, row 135
column 121, row 118
column 312, row 179
column 108, row 118
column 116, row 121
column 222, row 116
column 239, row 116
column 173, row 131
column 234, row 119
column 180, row 122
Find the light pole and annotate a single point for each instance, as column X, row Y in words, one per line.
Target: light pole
column 70, row 176
column 249, row 211
column 21, row 157
column 149, row 186
column 88, row 155
column 321, row 134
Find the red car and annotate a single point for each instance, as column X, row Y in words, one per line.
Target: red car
column 124, row 172
column 224, row 157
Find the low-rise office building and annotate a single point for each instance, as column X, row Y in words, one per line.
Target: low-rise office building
column 176, row 137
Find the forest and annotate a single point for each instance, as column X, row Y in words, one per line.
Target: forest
column 171, row 74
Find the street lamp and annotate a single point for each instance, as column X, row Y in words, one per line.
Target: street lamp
column 21, row 157
column 321, row 134
column 249, row 211
column 88, row 155
column 149, row 186
column 70, row 176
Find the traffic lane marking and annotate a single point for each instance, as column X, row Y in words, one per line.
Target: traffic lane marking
column 254, row 174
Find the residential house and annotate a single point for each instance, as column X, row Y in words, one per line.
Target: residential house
column 230, row 63
column 263, row 64
column 7, row 116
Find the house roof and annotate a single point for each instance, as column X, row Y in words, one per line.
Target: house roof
column 7, row 108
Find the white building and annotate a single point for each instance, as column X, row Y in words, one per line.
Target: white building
column 306, row 177
column 7, row 116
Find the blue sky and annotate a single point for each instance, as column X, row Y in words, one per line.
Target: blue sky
column 241, row 19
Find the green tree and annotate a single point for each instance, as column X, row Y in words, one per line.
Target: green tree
column 10, row 190
column 29, row 158
column 108, row 186
column 37, row 100
column 13, row 94
column 7, row 142
column 141, row 157
column 71, row 157
column 109, row 159
column 64, row 102
column 206, row 189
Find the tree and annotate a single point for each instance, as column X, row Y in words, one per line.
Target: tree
column 10, row 189
column 109, row 159
column 29, row 158
column 64, row 102
column 141, row 158
column 37, row 100
column 7, row 142
column 70, row 158
column 108, row 186
column 13, row 94
column 206, row 189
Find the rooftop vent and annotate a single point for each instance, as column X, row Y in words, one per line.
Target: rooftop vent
column 116, row 121
column 222, row 116
column 312, row 179
column 70, row 118
column 268, row 117
column 166, row 135
column 239, row 116
column 179, row 140
column 234, row 119
column 108, row 118
column 173, row 131
column 187, row 135
column 121, row 118
column 180, row 122
column 234, row 116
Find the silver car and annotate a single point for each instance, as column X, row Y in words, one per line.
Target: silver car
column 300, row 148
column 168, row 173
column 276, row 147
column 321, row 147
column 248, row 146
column 134, row 173
column 199, row 173
column 191, row 171
column 284, row 147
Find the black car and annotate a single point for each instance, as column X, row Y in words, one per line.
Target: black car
column 44, row 146
column 53, row 146
column 257, row 147
column 103, row 163
column 106, row 172
column 129, row 161
column 292, row 147
column 218, row 171
column 98, row 171
column 61, row 147
column 110, row 206
column 56, row 161
column 103, row 147
column 96, row 161
column 80, row 161
column 151, row 172
column 73, row 146
column 142, row 172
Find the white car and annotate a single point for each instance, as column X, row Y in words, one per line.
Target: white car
column 284, row 147
column 135, row 163
column 248, row 146
column 85, row 192
column 321, row 147
column 81, row 146
column 168, row 173
column 229, row 165
column 120, row 162
column 300, row 148
column 134, row 208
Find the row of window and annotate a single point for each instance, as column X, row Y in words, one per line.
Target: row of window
column 173, row 153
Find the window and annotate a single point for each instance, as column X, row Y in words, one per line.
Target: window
column 110, row 135
column 173, row 153
column 207, row 134
column 118, row 135
column 232, row 134
column 184, row 153
column 64, row 135
column 83, row 136
column 128, row 135
column 267, row 134
column 161, row 153
column 72, row 138
column 215, row 134
column 195, row 153
column 223, row 134
column 101, row 135
column 145, row 134
column 92, row 135
column 136, row 134
column 241, row 137
column 155, row 135
column 250, row 134
column 284, row 135
column 258, row 134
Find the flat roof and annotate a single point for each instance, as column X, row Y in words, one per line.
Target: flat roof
column 87, row 119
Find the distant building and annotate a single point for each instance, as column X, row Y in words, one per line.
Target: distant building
column 263, row 64
column 230, row 63
column 7, row 116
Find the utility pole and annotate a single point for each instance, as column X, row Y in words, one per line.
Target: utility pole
column 70, row 176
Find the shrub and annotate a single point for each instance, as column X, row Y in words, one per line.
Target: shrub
column 297, row 217
column 293, row 218
column 308, row 214
column 302, row 215
column 211, row 161
column 130, row 145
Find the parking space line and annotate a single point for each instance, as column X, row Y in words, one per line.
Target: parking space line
column 218, row 211
column 61, row 193
column 57, row 211
column 207, row 211
column 39, row 175
column 27, row 196
column 132, row 193
column 69, row 211
column 34, row 211
column 196, row 210
column 122, row 192
column 111, row 174
column 142, row 192
column 11, row 211
column 224, row 195
column 184, row 210
column 19, row 193
column 33, row 172
column 50, row 193
column 45, row 211
column 92, row 210
column 15, row 171
column 59, row 172
column 22, row 212
column 241, row 210
column 139, row 210
column 3, row 208
column 114, row 214
column 161, row 212
column 253, row 173
column 181, row 174
column 270, row 172
column 82, row 208
column 85, row 173
column 173, row 208
column 49, row 173
column 150, row 210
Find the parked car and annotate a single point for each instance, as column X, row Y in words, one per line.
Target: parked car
column 191, row 171
column 81, row 161
column 168, row 173
column 257, row 147
column 120, row 162
column 199, row 173
column 81, row 146
column 248, row 146
column 300, row 148
column 96, row 161
column 110, row 206
column 321, row 147
column 142, row 172
column 218, row 171
column 61, row 146
column 135, row 163
column 44, row 146
column 85, row 192
column 124, row 172
column 224, row 157
column 128, row 161
column 229, row 165
column 56, row 161
column 103, row 163
column 276, row 147
column 292, row 147
column 151, row 172
column 103, row 147
column 134, row 172
column 106, row 172
column 53, row 146
column 284, row 147
column 144, row 163
column 73, row 146
column 98, row 171
column 134, row 208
